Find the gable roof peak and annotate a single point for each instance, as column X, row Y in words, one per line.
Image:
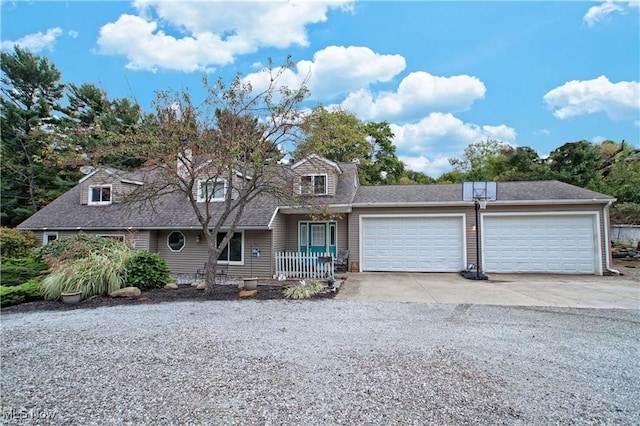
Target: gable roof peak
column 317, row 157
column 118, row 174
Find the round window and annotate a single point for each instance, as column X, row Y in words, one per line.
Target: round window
column 175, row 241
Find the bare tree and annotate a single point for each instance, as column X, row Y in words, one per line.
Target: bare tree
column 224, row 148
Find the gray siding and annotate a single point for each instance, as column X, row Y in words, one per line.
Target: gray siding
column 139, row 239
column 279, row 230
column 194, row 254
column 343, row 232
column 119, row 190
column 316, row 167
column 153, row 241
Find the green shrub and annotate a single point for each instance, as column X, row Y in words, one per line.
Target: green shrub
column 303, row 290
column 15, row 243
column 18, row 271
column 77, row 247
column 147, row 270
column 22, row 293
column 94, row 275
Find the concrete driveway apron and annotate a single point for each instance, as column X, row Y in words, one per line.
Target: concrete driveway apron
column 579, row 291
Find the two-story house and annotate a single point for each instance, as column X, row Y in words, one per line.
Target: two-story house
column 542, row 227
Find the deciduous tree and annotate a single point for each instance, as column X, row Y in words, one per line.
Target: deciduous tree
column 340, row 136
column 382, row 166
column 230, row 137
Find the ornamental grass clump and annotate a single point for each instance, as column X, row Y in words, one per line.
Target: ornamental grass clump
column 95, row 275
column 303, row 290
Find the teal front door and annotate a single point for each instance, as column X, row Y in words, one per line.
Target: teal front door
column 318, row 237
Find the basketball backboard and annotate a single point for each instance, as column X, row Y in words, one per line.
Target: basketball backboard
column 472, row 191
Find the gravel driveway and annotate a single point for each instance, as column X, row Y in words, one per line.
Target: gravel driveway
column 321, row 363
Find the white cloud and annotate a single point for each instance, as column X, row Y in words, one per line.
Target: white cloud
column 35, row 42
column 598, row 139
column 417, row 94
column 425, row 145
column 601, row 11
column 336, row 69
column 147, row 49
column 356, row 67
column 431, row 167
column 207, row 33
column 618, row 100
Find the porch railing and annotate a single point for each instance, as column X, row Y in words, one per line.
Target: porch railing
column 293, row 264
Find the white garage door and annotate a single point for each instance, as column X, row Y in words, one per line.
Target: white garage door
column 412, row 244
column 551, row 244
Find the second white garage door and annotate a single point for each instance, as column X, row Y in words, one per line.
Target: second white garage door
column 412, row 243
column 541, row 243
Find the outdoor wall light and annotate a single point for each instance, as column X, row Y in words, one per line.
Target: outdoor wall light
column 197, row 238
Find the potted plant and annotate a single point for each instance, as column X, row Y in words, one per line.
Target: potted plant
column 71, row 297
column 250, row 283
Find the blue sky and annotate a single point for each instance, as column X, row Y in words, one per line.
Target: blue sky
column 443, row 74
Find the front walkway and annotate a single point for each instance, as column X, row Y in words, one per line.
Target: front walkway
column 578, row 291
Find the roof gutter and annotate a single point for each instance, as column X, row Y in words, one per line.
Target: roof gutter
column 606, row 239
column 141, row 228
column 333, row 208
column 273, row 217
column 594, row 201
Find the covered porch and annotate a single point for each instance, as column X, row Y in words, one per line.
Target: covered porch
column 311, row 246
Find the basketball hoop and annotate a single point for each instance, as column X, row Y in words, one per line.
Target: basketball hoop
column 480, row 193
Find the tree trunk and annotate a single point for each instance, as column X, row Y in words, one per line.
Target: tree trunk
column 212, row 267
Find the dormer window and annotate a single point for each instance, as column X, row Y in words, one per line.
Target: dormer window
column 100, row 194
column 211, row 190
column 313, row 185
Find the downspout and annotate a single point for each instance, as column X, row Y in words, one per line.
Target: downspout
column 608, row 243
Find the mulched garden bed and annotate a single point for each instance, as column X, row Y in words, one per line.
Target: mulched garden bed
column 266, row 291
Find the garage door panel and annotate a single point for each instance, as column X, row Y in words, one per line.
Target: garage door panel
column 540, row 243
column 412, row 244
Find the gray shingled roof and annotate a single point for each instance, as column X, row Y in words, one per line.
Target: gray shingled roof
column 530, row 191
column 173, row 211
column 169, row 211
column 346, row 188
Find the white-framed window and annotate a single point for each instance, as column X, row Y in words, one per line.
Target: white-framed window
column 48, row 237
column 118, row 237
column 176, row 241
column 100, row 194
column 313, row 185
column 233, row 251
column 211, row 190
